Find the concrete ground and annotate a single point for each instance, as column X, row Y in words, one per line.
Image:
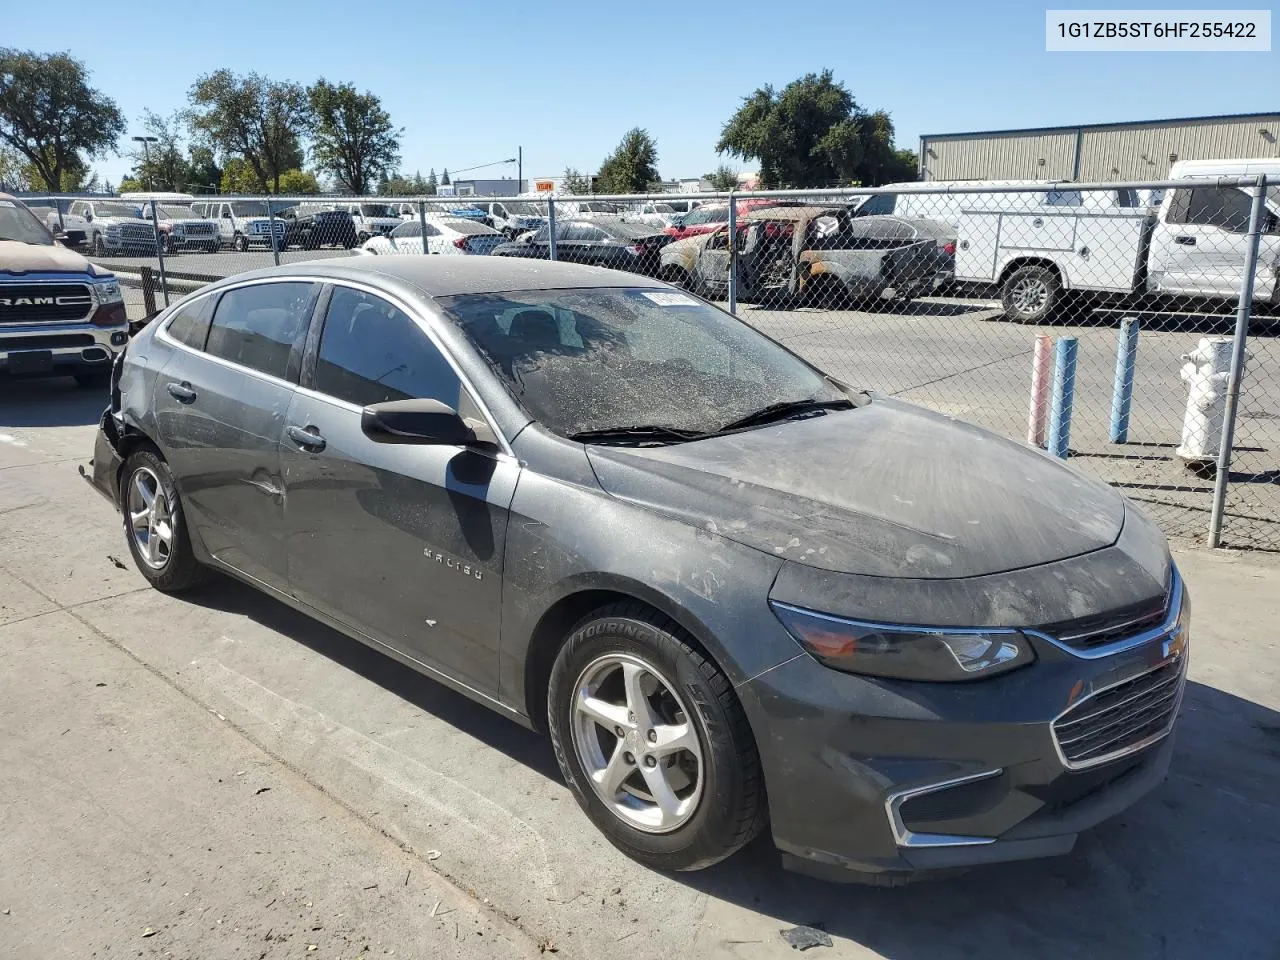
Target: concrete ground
column 141, row 731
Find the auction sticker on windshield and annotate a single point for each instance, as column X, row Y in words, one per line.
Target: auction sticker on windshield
column 664, row 299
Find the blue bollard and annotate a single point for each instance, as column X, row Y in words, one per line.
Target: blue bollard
column 1122, row 391
column 1064, row 388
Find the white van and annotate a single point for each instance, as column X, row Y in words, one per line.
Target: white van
column 372, row 219
column 242, row 223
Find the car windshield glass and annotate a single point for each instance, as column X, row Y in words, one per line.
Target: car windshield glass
column 410, row 228
column 18, row 223
column 253, row 208
column 523, row 210
column 175, row 213
column 612, row 358
column 116, row 210
column 378, row 210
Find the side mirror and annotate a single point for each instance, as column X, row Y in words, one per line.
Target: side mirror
column 425, row 422
column 88, row 216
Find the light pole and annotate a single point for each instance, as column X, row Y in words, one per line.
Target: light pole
column 146, row 154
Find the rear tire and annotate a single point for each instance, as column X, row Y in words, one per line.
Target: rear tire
column 696, row 752
column 155, row 526
column 1031, row 294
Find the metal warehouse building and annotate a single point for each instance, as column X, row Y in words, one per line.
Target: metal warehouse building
column 1141, row 150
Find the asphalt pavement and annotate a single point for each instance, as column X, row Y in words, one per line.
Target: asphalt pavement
column 224, row 772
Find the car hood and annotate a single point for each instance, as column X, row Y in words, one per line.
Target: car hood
column 19, row 258
column 887, row 489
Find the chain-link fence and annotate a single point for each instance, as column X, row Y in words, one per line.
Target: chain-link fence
column 1114, row 324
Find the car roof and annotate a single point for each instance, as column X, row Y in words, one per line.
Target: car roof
column 789, row 213
column 452, row 276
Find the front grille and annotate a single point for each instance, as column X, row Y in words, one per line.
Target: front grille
column 199, row 229
column 137, row 233
column 1089, row 633
column 44, row 302
column 1122, row 718
column 47, row 342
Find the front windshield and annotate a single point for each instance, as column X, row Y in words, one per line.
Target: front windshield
column 175, row 213
column 612, row 358
column 116, row 210
column 253, row 208
column 523, row 210
column 378, row 210
column 18, row 223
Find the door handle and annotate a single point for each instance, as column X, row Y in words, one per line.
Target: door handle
column 181, row 392
column 307, row 438
column 1185, row 240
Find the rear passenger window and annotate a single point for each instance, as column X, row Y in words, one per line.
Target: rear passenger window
column 190, row 325
column 880, row 204
column 263, row 326
column 371, row 351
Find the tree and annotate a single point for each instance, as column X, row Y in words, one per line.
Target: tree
column 631, row 168
column 432, row 182
column 575, row 184
column 352, row 135
column 51, row 116
column 444, row 178
column 131, row 185
column 12, row 173
column 238, row 177
column 297, row 182
column 204, row 173
column 813, row 134
column 723, row 177
column 251, row 117
column 162, row 165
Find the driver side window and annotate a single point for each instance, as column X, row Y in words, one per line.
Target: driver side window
column 371, row 351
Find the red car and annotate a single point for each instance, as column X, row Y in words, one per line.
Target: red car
column 709, row 217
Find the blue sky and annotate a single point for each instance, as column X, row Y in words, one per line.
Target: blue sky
column 471, row 81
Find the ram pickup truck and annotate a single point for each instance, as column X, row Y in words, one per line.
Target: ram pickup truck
column 59, row 314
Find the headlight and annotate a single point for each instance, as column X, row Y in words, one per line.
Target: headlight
column 107, row 291
column 905, row 652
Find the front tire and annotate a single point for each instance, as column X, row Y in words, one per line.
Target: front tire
column 98, row 248
column 155, row 526
column 653, row 742
column 1031, row 294
column 240, row 244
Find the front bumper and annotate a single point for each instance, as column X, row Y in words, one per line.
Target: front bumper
column 895, row 778
column 59, row 348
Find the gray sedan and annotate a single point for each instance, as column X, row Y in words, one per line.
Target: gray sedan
column 607, row 509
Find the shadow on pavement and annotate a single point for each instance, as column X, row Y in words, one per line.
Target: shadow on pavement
column 1185, row 873
column 49, row 402
column 518, row 743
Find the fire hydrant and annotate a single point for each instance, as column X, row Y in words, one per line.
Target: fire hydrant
column 1205, row 372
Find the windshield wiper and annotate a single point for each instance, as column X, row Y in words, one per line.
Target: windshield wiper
column 637, row 435
column 784, row 410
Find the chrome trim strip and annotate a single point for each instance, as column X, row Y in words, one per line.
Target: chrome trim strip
column 905, row 838
column 1128, row 643
column 419, row 317
column 1132, row 748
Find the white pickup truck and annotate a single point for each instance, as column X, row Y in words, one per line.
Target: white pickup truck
column 1038, row 244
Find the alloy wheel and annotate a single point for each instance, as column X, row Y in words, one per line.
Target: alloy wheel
column 1029, row 295
column 637, row 744
column 150, row 518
